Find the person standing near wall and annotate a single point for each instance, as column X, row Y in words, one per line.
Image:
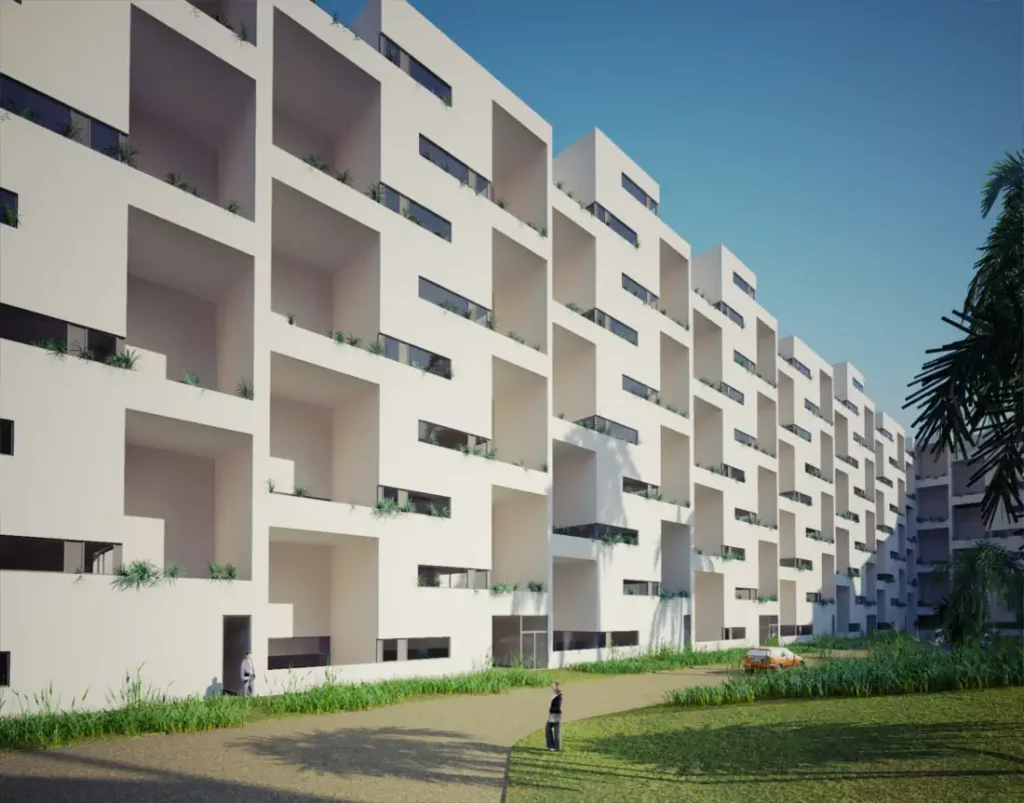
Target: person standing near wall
column 248, row 675
column 553, row 730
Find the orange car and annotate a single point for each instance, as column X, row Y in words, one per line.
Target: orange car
column 770, row 659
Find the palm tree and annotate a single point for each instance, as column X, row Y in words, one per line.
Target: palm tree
column 976, row 576
column 972, row 396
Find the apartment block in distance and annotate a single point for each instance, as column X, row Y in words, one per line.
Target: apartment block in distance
column 309, row 347
column 946, row 509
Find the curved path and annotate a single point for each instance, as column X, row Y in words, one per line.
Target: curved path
column 447, row 750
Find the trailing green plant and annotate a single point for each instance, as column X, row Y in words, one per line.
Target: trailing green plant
column 175, row 180
column 57, row 348
column 407, row 507
column 71, row 130
column 764, row 598
column 516, row 337
column 233, row 207
column 271, row 485
column 544, row 466
column 125, row 360
column 243, row 34
column 84, row 352
column 300, row 490
column 440, row 511
column 386, row 508
column 124, row 153
column 191, row 379
column 292, row 319
column 428, row 581
column 376, row 192
column 172, row 572
column 376, row 347
column 223, row 572
column 245, row 389
column 316, row 163
column 894, row 666
column 665, row 594
column 500, row 202
column 9, row 216
column 352, row 340
column 499, row 589
column 345, row 177
column 136, row 574
column 535, row 587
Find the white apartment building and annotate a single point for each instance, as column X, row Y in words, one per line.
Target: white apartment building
column 308, row 320
column 946, row 509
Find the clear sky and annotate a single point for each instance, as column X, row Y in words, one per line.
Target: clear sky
column 837, row 147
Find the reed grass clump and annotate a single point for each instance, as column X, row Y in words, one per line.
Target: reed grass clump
column 900, row 666
column 137, row 709
column 660, row 660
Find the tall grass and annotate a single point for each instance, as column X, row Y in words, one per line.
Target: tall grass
column 896, row 666
column 661, row 659
column 139, row 709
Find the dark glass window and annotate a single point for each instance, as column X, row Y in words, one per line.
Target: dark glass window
column 103, row 138
column 392, row 198
column 742, row 283
column 430, row 220
column 744, row 438
column 625, row 638
column 635, row 288
column 638, row 388
column 419, row 73
column 25, row 326
column 858, row 385
column 436, row 294
column 17, row 98
column 8, row 208
column 744, row 362
column 455, row 167
column 420, row 649
column 6, row 436
column 5, row 668
column 623, row 331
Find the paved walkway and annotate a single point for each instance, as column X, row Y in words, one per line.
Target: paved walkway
column 450, row 750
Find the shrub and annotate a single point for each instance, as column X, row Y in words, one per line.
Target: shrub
column 138, row 708
column 661, row 659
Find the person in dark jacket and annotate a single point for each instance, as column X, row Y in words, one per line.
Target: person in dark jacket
column 553, row 730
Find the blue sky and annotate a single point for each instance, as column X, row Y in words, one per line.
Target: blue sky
column 836, row 147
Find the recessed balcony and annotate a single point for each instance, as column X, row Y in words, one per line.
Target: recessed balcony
column 193, row 126
column 197, row 480
column 190, row 302
column 325, row 269
column 327, row 111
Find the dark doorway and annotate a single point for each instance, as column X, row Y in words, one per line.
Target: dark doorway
column 871, row 623
column 519, row 641
column 768, row 629
column 237, row 642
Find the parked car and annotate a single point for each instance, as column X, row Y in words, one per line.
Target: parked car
column 770, row 659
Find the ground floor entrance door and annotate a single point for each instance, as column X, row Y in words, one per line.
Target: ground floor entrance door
column 768, row 629
column 519, row 641
column 237, row 642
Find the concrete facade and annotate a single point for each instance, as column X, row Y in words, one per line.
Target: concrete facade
column 394, row 392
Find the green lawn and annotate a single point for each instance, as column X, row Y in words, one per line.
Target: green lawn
column 955, row 746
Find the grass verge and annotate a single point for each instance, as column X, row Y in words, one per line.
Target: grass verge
column 955, row 746
column 660, row 661
column 895, row 666
column 140, row 710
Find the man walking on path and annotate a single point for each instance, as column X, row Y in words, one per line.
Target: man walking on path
column 553, row 730
column 248, row 675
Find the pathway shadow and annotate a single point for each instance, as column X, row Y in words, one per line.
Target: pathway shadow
column 413, row 754
column 154, row 786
